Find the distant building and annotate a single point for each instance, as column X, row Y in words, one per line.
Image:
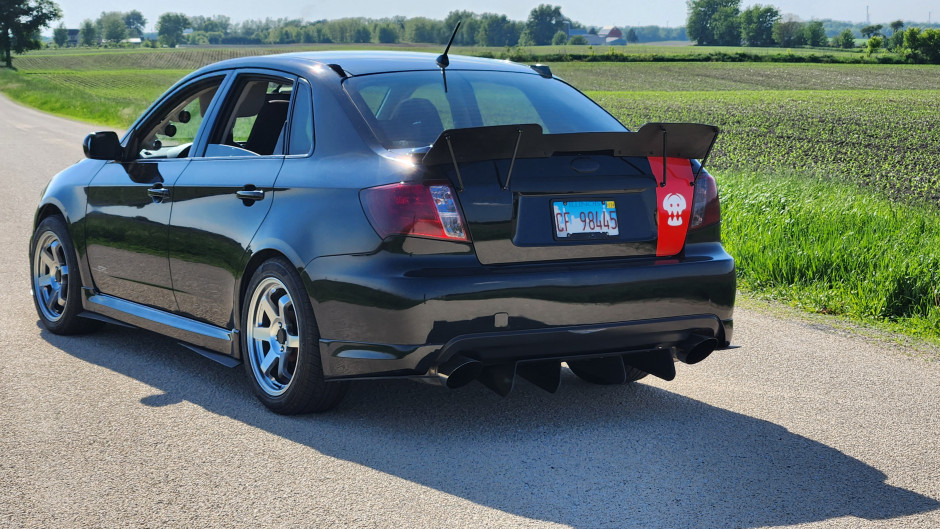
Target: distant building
column 610, row 32
column 134, row 40
column 607, row 36
column 73, row 37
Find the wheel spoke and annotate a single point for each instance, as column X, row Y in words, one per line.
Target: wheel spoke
column 268, row 361
column 268, row 308
column 50, row 299
column 44, row 280
column 282, row 368
column 261, row 333
column 46, row 259
column 282, row 304
column 292, row 341
column 64, row 269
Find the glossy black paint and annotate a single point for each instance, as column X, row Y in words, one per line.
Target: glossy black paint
column 394, row 307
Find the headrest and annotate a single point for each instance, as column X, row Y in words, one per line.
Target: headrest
column 252, row 99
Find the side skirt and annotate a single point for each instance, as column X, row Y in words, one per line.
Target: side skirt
column 210, row 341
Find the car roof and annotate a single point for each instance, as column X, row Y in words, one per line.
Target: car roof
column 366, row 62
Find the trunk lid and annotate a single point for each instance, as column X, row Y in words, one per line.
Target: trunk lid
column 529, row 197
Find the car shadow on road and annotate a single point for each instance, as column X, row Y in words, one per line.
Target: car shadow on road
column 587, row 456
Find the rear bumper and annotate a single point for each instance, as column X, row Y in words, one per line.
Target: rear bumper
column 393, row 314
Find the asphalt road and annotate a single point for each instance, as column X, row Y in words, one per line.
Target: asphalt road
column 801, row 426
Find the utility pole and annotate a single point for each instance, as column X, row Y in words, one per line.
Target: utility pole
column 867, row 18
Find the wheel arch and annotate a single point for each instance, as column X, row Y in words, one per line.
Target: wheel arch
column 255, row 260
column 47, row 210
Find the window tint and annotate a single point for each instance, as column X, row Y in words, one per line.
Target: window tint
column 501, row 105
column 254, row 119
column 301, row 128
column 171, row 131
column 411, row 109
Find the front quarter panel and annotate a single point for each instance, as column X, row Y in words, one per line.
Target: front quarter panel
column 66, row 194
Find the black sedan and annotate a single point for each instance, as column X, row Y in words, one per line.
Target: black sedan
column 324, row 217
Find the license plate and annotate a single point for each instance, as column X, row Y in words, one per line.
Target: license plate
column 585, row 218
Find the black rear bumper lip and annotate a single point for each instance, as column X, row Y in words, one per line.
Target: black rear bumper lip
column 363, row 360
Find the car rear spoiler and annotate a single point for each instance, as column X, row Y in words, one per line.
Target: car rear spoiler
column 666, row 140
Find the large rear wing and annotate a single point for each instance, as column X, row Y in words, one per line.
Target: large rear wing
column 665, row 140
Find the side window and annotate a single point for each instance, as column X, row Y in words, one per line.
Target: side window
column 301, row 124
column 253, row 121
column 172, row 129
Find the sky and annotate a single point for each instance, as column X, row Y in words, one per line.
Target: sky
column 589, row 12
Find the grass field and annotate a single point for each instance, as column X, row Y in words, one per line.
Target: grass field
column 834, row 248
column 828, row 173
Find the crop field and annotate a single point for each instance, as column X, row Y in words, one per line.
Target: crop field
column 829, row 173
column 886, row 139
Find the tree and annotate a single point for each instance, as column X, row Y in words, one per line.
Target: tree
column 170, row 27
column 815, row 34
column 88, row 34
column 757, row 25
column 469, row 27
column 727, row 27
column 897, row 36
column 135, row 22
column 387, row 34
column 544, row 21
column 846, row 39
column 873, row 45
column 112, row 28
column 578, row 40
column 632, row 37
column 705, row 17
column 789, row 32
column 497, row 30
column 559, row 39
column 870, row 31
column 420, row 29
column 60, row 35
column 20, row 22
column 923, row 45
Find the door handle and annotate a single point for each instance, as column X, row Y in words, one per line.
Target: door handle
column 158, row 192
column 250, row 194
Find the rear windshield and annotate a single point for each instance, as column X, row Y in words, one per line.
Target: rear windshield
column 410, row 109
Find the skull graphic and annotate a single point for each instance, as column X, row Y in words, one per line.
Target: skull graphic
column 674, row 204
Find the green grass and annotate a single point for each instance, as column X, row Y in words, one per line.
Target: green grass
column 111, row 98
column 830, row 247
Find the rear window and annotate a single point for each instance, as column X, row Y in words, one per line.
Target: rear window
column 410, row 109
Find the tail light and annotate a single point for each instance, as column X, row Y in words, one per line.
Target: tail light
column 419, row 209
column 706, row 210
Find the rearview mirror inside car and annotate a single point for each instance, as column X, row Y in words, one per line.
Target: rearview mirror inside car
column 103, row 146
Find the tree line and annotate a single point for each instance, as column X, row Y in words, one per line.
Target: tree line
column 545, row 25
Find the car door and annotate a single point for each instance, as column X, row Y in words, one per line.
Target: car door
column 224, row 194
column 129, row 202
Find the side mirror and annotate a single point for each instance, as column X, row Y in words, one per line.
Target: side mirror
column 103, row 146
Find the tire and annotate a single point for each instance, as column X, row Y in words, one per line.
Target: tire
column 280, row 344
column 596, row 372
column 55, row 280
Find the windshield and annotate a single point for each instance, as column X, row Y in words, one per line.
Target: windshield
column 411, row 109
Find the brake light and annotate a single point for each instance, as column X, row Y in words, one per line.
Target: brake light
column 420, row 210
column 706, row 210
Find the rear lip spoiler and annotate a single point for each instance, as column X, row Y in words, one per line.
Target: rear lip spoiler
column 666, row 140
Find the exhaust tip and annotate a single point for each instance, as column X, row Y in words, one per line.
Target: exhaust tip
column 459, row 371
column 696, row 349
